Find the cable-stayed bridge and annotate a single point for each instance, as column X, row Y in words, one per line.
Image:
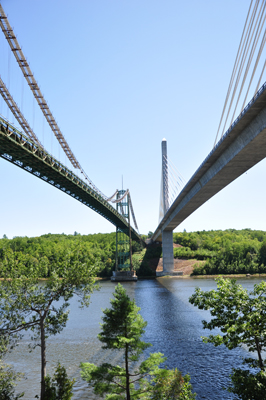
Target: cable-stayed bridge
column 239, row 149
column 242, row 147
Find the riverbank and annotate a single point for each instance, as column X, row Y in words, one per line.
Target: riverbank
column 233, row 276
column 174, row 328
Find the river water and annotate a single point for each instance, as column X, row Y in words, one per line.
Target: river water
column 174, row 328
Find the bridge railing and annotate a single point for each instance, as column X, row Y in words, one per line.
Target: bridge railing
column 243, row 112
column 252, row 101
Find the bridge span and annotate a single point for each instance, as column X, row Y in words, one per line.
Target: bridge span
column 24, row 153
column 241, row 147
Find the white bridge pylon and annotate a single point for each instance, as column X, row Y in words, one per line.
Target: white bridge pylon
column 171, row 184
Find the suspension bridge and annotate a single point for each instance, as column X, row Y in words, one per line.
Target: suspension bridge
column 239, row 148
column 26, row 151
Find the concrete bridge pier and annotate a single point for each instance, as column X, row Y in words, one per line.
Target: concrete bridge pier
column 167, row 236
column 168, row 252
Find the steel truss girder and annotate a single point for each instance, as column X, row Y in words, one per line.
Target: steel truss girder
column 22, row 152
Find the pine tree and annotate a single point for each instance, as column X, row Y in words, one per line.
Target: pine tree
column 122, row 329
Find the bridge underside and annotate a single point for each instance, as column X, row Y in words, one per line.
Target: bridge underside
column 19, row 150
column 242, row 147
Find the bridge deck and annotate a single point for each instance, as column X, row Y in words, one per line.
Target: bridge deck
column 243, row 146
column 22, row 152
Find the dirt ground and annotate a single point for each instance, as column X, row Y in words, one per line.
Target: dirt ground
column 186, row 266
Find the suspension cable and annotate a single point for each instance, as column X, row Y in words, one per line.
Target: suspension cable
column 260, row 78
column 110, row 198
column 243, row 60
column 121, row 198
column 132, row 212
column 24, row 66
column 257, row 59
column 233, row 73
column 175, row 181
column 17, row 113
column 251, row 55
column 251, row 35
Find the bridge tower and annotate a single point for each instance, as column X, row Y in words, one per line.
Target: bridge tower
column 167, row 235
column 123, row 240
column 123, row 263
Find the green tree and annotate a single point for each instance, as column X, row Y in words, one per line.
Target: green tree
column 60, row 386
column 121, row 330
column 241, row 317
column 8, row 377
column 171, row 385
column 247, row 385
column 7, row 383
column 262, row 253
column 43, row 308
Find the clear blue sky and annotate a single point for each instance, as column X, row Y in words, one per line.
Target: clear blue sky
column 119, row 76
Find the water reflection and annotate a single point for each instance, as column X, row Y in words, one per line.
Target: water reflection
column 174, row 328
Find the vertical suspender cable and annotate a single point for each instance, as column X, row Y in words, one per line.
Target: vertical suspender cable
column 24, row 66
column 17, row 113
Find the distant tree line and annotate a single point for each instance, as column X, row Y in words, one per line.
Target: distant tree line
column 223, row 252
column 226, row 252
column 47, row 251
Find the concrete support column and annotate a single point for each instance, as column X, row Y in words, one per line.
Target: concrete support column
column 167, row 236
column 168, row 252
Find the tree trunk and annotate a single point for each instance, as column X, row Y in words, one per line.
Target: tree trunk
column 259, row 354
column 43, row 358
column 127, row 373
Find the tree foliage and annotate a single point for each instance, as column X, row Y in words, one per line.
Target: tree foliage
column 122, row 329
column 8, row 377
column 225, row 252
column 248, row 385
column 60, row 386
column 171, row 385
column 46, row 253
column 241, row 317
column 26, row 304
column 8, row 380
